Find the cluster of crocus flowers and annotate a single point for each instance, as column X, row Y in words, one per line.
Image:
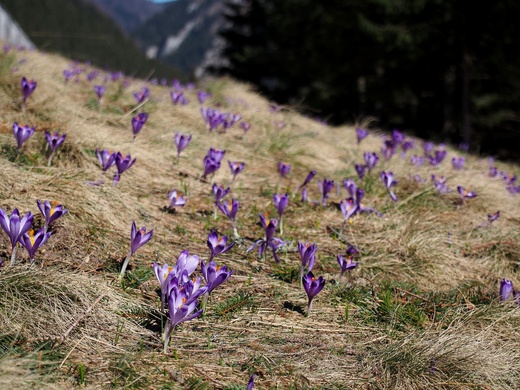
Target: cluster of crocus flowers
column 212, row 162
column 229, row 209
column 22, row 133
column 54, row 141
column 371, row 160
column 312, row 287
column 280, row 202
column 388, row 180
column 347, row 263
column 215, row 119
column 28, row 87
column 269, row 241
column 507, row 290
column 181, row 141
column 137, row 239
column 178, row 292
column 138, row 123
column 202, row 96
column 176, row 199
column 437, row 157
column 15, row 227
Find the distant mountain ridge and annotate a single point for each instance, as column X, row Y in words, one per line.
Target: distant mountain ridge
column 128, row 14
column 184, row 34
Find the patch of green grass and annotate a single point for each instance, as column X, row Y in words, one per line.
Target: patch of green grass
column 286, row 273
column 136, row 277
column 126, row 374
column 239, row 301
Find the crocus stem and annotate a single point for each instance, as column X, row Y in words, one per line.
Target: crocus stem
column 235, row 231
column 13, row 256
column 50, row 159
column 23, row 107
column 309, row 308
column 215, row 211
column 339, row 277
column 167, row 335
column 281, row 225
column 342, row 227
column 125, row 264
column 177, row 159
column 212, row 179
column 204, row 302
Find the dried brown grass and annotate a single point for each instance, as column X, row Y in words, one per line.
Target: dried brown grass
column 426, row 240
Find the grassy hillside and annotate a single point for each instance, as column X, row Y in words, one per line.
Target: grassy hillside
column 421, row 310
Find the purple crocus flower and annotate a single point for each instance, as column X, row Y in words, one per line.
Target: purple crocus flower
column 283, row 169
column 202, row 96
column 138, row 122
column 137, row 239
column 465, row 193
column 325, row 187
column 417, row 160
column 51, row 211
column 361, row 134
column 312, row 287
column 493, row 171
column 346, row 264
column 54, row 141
column 280, row 202
column 210, row 166
column 100, row 91
column 176, row 199
column 212, row 117
column 427, row 147
column 217, row 245
column 28, row 87
column 15, row 227
column 32, row 242
column 406, row 146
column 178, row 98
column 440, row 184
column 141, row 95
column 360, row 170
column 350, row 186
column 437, row 158
column 219, row 192
column 458, row 162
column 181, row 141
column 506, row 289
column 68, row 74
column 122, row 164
column 389, row 182
column 181, row 308
column 216, row 154
column 214, row 275
column 245, row 126
column 106, row 159
column 308, row 179
column 163, row 274
column 251, row 383
column 349, row 208
column 268, row 241
column 92, row 75
column 371, row 160
column 22, row 133
column 493, row 217
column 236, row 167
column 307, row 256
column 229, row 209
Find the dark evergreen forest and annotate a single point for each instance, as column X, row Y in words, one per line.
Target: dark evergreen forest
column 444, row 70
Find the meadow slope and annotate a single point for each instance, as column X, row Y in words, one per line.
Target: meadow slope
column 421, row 310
